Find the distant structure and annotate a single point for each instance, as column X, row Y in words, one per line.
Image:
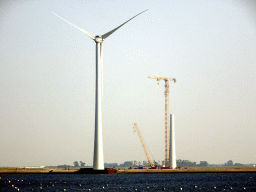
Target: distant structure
column 98, row 160
column 172, row 153
column 167, row 122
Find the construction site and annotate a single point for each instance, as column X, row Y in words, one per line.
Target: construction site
column 169, row 148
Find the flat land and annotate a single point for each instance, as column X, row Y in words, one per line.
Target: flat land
column 134, row 171
column 191, row 170
column 34, row 171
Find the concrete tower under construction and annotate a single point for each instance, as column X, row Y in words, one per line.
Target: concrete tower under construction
column 172, row 153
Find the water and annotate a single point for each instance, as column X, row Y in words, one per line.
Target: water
column 129, row 182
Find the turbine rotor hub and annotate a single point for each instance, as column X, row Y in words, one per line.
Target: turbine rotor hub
column 99, row 39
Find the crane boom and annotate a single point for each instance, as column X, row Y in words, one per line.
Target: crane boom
column 144, row 146
column 162, row 78
column 167, row 121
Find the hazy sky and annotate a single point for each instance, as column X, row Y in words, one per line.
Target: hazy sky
column 47, row 80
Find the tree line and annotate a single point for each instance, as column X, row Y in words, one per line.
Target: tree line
column 76, row 164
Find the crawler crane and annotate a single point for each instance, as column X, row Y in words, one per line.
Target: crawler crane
column 167, row 121
column 153, row 166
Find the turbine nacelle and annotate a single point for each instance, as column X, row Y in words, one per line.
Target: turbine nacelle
column 98, row 39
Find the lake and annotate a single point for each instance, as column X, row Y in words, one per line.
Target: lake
column 129, row 182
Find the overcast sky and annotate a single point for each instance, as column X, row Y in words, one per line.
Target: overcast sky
column 47, row 80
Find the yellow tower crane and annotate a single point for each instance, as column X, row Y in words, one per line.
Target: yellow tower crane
column 167, row 120
column 144, row 146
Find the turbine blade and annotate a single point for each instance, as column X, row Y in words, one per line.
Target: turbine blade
column 89, row 34
column 112, row 31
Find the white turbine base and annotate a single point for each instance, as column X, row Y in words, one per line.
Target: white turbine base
column 172, row 153
column 98, row 159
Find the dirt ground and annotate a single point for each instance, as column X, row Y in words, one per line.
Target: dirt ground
column 134, row 171
column 191, row 170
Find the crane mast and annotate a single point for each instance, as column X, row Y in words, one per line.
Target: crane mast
column 167, row 121
column 144, row 146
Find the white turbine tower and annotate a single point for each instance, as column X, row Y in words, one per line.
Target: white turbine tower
column 98, row 160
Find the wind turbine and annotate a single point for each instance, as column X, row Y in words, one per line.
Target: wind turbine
column 98, row 160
